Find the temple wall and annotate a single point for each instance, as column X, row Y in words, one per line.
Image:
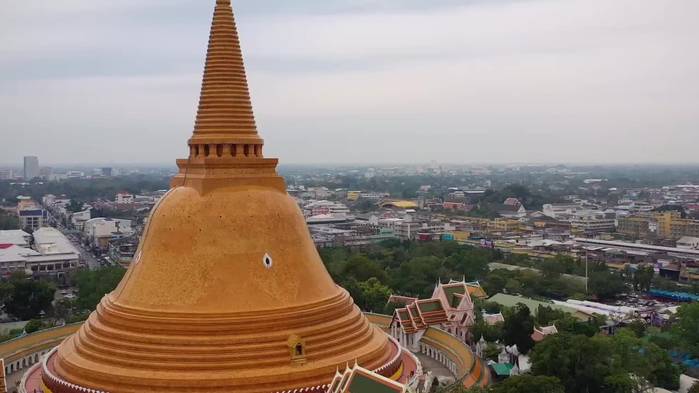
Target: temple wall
column 21, row 353
column 456, row 356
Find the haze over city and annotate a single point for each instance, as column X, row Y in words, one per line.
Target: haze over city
column 373, row 81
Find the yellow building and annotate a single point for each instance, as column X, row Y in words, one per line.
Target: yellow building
column 461, row 235
column 353, row 195
column 400, row 204
column 504, row 225
column 671, row 225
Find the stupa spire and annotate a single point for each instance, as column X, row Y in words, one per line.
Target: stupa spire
column 225, row 147
column 225, row 110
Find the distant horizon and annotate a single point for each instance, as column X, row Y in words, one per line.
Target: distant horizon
column 342, row 82
column 93, row 165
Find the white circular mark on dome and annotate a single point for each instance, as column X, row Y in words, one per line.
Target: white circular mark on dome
column 267, row 261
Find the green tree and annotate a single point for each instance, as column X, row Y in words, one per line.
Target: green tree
column 572, row 325
column 375, row 295
column 93, row 285
column 362, row 268
column 545, row 316
column 495, row 281
column 33, row 326
column 604, row 364
column 8, row 221
column 28, row 298
column 513, row 286
column 643, row 277
column 490, row 333
column 529, row 384
column 518, row 327
column 579, row 362
column 606, row 285
column 686, row 330
column 492, row 351
column 638, row 327
column 651, row 365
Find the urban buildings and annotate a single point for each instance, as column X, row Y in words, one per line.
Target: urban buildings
column 46, row 253
column 124, row 198
column 31, row 167
column 122, row 250
column 13, row 259
column 6, row 174
column 668, row 225
column 57, row 255
column 100, row 231
column 15, row 237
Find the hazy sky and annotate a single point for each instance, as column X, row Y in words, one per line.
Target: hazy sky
column 347, row 81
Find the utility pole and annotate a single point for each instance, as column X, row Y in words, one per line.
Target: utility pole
column 587, row 277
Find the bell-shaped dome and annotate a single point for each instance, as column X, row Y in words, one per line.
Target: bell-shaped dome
column 227, row 292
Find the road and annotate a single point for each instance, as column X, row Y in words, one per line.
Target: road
column 87, row 257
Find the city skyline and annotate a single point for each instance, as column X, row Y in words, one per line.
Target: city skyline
column 588, row 82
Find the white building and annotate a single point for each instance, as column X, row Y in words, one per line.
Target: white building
column 79, row 219
column 124, row 198
column 554, row 210
column 688, row 242
column 14, row 259
column 15, row 237
column 99, row 231
column 57, row 255
column 316, row 208
column 52, row 254
column 6, row 174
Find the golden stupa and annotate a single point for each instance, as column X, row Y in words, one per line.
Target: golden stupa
column 227, row 292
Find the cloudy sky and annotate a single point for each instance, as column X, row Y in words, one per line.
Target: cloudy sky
column 351, row 81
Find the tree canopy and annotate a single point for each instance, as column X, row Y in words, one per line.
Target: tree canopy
column 686, row 328
column 25, row 298
column 8, row 220
column 373, row 273
column 94, row 284
column 622, row 363
column 518, row 327
column 528, row 384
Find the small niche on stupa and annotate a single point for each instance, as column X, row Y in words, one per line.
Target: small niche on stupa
column 297, row 349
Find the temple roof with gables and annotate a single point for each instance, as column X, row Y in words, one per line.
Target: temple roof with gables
column 450, row 302
column 361, row 380
column 540, row 333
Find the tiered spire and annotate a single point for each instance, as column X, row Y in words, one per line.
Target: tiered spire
column 225, row 147
column 225, row 119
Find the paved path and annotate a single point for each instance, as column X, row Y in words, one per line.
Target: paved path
column 86, row 255
column 429, row 364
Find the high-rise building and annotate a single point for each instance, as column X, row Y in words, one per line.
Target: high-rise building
column 31, row 167
column 227, row 292
column 45, row 172
column 6, row 174
column 106, row 172
column 30, row 214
